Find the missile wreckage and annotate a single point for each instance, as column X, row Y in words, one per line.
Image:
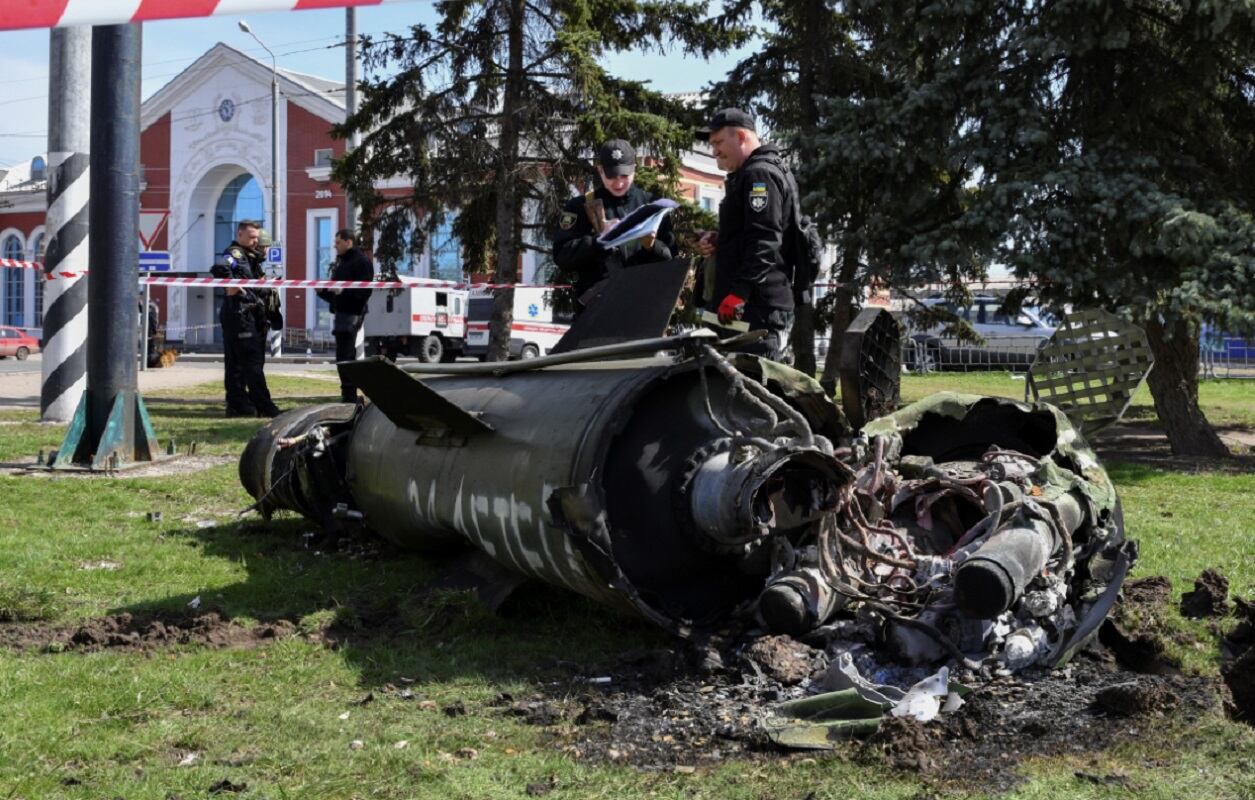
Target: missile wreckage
column 699, row 487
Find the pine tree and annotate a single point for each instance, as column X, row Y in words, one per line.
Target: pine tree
column 491, row 113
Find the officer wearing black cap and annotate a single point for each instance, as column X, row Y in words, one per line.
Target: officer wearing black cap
column 246, row 316
column 579, row 256
column 751, row 274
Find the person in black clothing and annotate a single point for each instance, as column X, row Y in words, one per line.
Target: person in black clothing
column 348, row 305
column 585, row 217
column 751, row 275
column 246, row 316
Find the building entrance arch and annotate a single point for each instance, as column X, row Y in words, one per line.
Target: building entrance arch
column 225, row 194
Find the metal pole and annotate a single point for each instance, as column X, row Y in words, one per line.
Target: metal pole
column 350, row 100
column 114, row 251
column 275, row 234
column 143, row 349
column 64, row 367
column 274, row 339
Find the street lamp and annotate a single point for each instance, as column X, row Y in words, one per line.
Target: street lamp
column 274, row 135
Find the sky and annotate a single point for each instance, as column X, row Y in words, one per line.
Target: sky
column 304, row 41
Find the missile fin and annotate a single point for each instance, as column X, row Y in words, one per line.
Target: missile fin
column 633, row 303
column 407, row 401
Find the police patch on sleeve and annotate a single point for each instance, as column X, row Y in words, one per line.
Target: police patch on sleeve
column 567, row 221
column 758, row 196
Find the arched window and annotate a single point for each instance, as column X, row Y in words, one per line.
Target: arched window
column 36, row 249
column 13, row 281
column 39, row 168
column 240, row 200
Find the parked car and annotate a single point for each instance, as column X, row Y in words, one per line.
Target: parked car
column 17, row 343
column 1010, row 342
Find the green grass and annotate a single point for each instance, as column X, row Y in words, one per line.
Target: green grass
column 117, row 724
column 1225, row 402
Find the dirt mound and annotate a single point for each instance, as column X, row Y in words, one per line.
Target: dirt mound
column 1152, row 591
column 1136, row 697
column 905, row 744
column 1237, row 651
column 1211, row 590
column 784, row 659
column 1143, row 651
column 127, row 631
column 1239, row 676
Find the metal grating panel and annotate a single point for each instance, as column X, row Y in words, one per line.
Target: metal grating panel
column 1091, row 368
column 871, row 366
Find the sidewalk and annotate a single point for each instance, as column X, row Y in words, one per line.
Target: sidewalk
column 20, row 389
column 291, row 357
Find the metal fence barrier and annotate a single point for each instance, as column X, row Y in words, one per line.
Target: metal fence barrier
column 1008, row 354
column 1226, row 357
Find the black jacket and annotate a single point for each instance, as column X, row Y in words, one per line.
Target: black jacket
column 249, row 310
column 754, row 216
column 585, row 262
column 352, row 266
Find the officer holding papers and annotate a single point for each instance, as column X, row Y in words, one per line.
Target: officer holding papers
column 616, row 225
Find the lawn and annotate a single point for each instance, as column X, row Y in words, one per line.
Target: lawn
column 281, row 719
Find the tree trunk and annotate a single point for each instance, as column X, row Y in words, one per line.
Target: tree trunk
column 1174, row 386
column 842, row 315
column 802, row 338
column 507, row 222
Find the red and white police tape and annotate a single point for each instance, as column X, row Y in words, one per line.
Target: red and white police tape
column 285, row 283
column 17, row 14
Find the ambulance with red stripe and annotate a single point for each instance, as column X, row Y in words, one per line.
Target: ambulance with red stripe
column 426, row 322
column 536, row 328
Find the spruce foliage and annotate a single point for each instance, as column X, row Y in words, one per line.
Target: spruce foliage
column 492, row 113
column 1101, row 150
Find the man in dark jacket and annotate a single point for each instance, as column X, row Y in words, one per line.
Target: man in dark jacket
column 247, row 315
column 751, row 278
column 579, row 256
column 348, row 305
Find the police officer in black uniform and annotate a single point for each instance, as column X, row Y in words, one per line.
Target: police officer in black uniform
column 348, row 305
column 579, row 256
column 751, row 274
column 247, row 315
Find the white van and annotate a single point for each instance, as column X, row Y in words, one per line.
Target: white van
column 536, row 327
column 426, row 322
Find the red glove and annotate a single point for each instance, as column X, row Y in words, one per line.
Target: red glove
column 730, row 308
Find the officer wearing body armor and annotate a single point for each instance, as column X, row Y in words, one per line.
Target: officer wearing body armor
column 247, row 315
column 751, row 278
column 576, row 251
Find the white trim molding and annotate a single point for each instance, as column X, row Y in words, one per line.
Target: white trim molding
column 311, row 256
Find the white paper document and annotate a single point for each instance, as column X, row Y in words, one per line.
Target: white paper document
column 642, row 222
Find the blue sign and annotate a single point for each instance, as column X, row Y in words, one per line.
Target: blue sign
column 532, row 310
column 274, row 254
column 155, row 261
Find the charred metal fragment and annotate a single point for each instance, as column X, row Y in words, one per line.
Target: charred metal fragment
column 871, row 366
column 979, row 526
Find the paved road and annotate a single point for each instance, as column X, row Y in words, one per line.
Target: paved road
column 11, row 366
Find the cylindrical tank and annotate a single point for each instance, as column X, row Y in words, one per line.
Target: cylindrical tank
column 618, row 480
column 630, row 439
